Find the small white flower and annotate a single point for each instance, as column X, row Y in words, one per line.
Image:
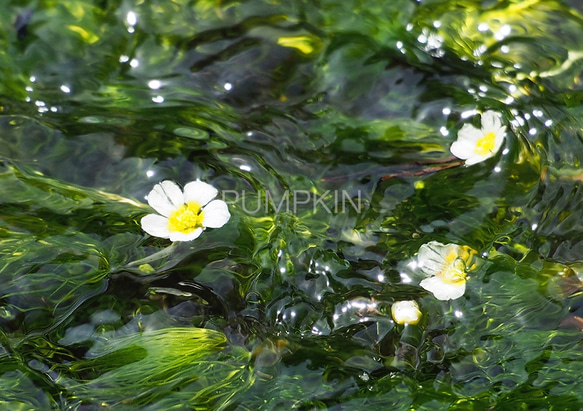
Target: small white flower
column 476, row 145
column 406, row 312
column 184, row 215
column 447, row 266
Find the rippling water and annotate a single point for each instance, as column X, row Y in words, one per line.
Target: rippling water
column 326, row 126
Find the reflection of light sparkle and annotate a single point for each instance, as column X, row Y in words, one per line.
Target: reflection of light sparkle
column 154, row 84
column 504, row 31
column 132, row 18
column 405, row 278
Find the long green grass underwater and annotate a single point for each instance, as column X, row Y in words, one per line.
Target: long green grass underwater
column 326, row 126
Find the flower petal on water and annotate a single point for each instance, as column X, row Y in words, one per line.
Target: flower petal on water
column 179, row 236
column 432, row 257
column 216, row 214
column 155, row 225
column 491, row 121
column 200, row 192
column 165, row 197
column 442, row 290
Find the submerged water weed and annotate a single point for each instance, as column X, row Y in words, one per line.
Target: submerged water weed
column 184, row 215
column 170, row 368
column 476, row 145
column 447, row 265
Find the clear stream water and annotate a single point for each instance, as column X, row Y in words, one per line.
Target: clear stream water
column 326, row 126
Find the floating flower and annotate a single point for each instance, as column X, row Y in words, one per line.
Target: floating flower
column 476, row 145
column 406, row 312
column 447, row 266
column 184, row 215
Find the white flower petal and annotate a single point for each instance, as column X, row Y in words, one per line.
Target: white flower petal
column 165, row 197
column 500, row 134
column 463, row 149
column 431, row 257
column 477, row 158
column 155, row 225
column 491, row 121
column 469, row 133
column 442, row 290
column 406, row 312
column 179, row 236
column 200, row 192
column 216, row 214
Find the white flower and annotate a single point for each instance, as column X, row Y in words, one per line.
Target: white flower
column 447, row 266
column 184, row 215
column 406, row 312
column 475, row 145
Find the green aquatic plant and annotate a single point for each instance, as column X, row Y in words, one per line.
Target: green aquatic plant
column 50, row 262
column 170, row 368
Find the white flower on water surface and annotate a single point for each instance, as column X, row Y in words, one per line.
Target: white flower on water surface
column 475, row 145
column 447, row 265
column 184, row 215
column 406, row 312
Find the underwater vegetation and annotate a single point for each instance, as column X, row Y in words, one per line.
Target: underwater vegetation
column 304, row 204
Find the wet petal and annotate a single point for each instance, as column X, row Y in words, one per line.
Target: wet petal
column 500, row 134
column 179, row 236
column 491, row 121
column 165, row 197
column 478, row 158
column 155, row 225
column 463, row 149
column 199, row 192
column 431, row 257
column 469, row 133
column 442, row 290
column 216, row 214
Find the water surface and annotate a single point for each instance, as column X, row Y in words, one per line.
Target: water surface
column 326, row 126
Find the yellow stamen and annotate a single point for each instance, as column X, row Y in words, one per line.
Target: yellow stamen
column 186, row 219
column 486, row 144
column 454, row 270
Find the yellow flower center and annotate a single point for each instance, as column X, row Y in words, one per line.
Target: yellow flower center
column 186, row 219
column 454, row 270
column 486, row 144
